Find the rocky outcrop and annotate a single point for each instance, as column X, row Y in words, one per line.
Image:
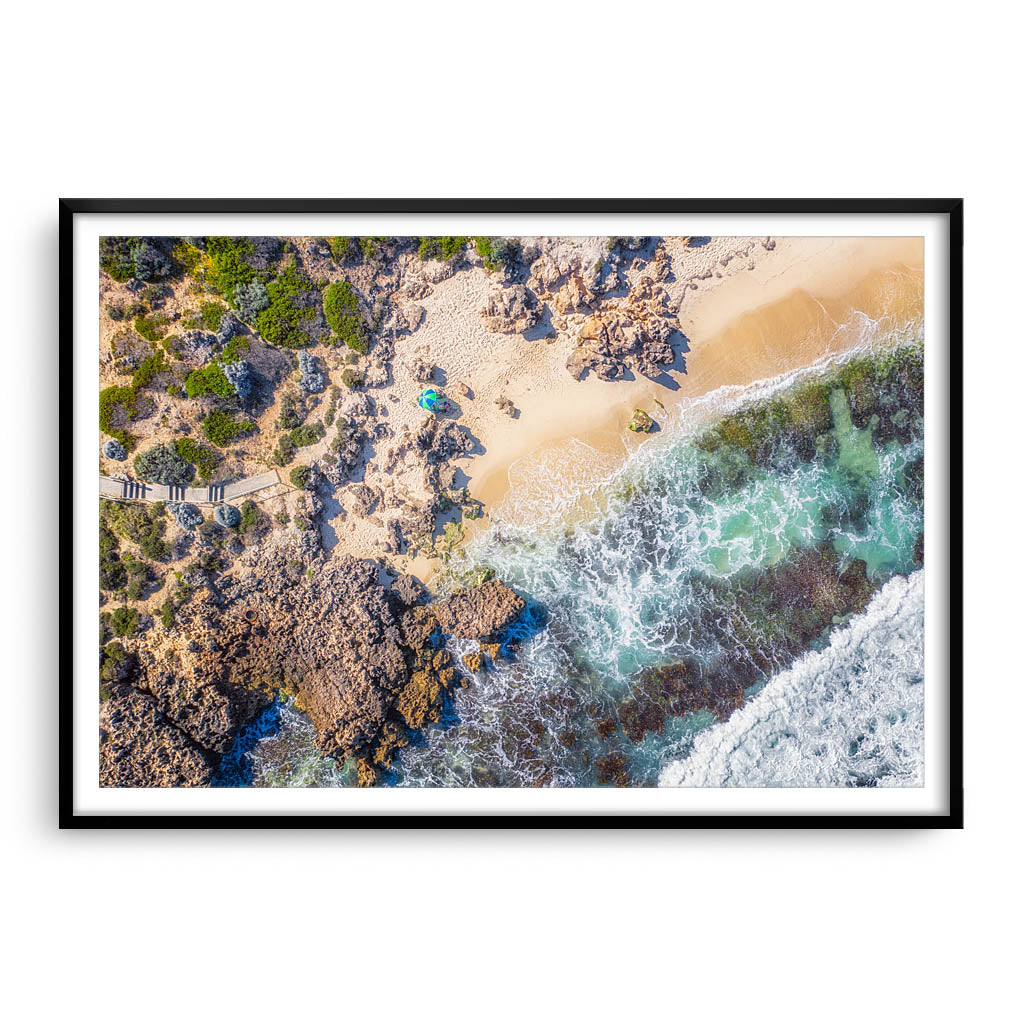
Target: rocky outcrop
column 512, row 310
column 440, row 440
column 142, row 747
column 634, row 335
column 479, row 613
column 364, row 661
column 640, row 422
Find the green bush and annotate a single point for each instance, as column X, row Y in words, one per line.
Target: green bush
column 293, row 411
column 147, row 370
column 124, row 621
column 112, row 399
column 208, row 380
column 285, row 451
column 167, row 614
column 299, row 476
column 150, row 327
column 143, row 525
column 205, row 459
column 307, row 434
column 351, row 378
column 210, row 313
column 495, row 252
column 230, row 267
column 290, row 297
column 341, row 307
column 444, row 247
column 344, row 250
column 138, row 574
column 163, row 465
column 116, row 258
column 253, row 517
column 235, row 349
column 221, row 429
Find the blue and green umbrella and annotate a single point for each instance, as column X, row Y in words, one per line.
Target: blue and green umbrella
column 429, row 399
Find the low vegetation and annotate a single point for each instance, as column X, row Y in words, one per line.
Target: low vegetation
column 290, row 308
column 221, row 429
column 341, row 308
column 442, row 247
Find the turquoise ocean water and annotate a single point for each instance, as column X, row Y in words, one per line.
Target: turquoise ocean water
column 664, row 572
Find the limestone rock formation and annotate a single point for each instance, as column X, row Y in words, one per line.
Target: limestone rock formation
column 511, row 310
column 633, row 335
column 365, row 662
column 479, row 613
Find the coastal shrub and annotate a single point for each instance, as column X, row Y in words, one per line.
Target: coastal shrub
column 167, row 614
column 344, row 250
column 222, row 429
column 312, row 379
column 227, row 515
column 119, row 404
column 116, row 258
column 146, row 372
column 150, row 261
column 496, row 253
column 293, row 411
column 163, row 465
column 189, row 254
column 156, row 295
column 138, row 573
column 239, row 376
column 252, row 519
column 285, row 451
column 444, row 247
column 210, row 313
column 113, row 663
column 251, row 299
column 282, row 518
column 291, row 297
column 186, row 515
column 108, row 539
column 143, row 525
column 208, row 380
column 307, row 434
column 351, row 377
column 115, row 450
column 341, row 308
column 370, row 244
column 205, row 459
column 234, row 350
column 230, row 266
column 112, row 572
column 124, row 621
column 299, row 476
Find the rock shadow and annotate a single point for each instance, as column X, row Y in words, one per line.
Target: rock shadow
column 543, row 328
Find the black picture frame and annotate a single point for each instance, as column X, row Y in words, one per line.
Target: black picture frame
column 953, row 209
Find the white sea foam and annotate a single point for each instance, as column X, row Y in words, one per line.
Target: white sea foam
column 851, row 714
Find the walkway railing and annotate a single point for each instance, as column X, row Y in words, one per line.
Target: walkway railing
column 214, row 494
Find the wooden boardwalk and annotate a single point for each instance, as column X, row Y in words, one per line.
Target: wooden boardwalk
column 214, row 494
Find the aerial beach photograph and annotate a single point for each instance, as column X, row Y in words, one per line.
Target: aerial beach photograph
column 545, row 511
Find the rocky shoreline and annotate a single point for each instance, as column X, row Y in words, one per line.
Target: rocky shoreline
column 364, row 660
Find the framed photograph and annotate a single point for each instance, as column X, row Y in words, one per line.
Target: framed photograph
column 606, row 513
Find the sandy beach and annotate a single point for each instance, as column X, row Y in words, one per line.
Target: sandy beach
column 746, row 316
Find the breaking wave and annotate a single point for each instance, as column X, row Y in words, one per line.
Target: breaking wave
column 852, row 714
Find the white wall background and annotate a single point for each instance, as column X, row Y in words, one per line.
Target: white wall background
column 799, row 99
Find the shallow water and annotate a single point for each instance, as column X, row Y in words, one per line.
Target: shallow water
column 665, row 572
